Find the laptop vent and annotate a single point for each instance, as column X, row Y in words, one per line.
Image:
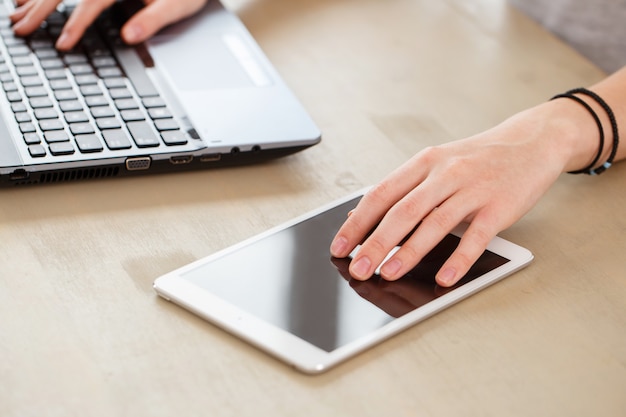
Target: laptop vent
column 71, row 175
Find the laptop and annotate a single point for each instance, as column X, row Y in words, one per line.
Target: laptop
column 199, row 94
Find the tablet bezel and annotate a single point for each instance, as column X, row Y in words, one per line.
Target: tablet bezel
column 290, row 348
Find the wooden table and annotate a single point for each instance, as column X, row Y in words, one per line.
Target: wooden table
column 82, row 333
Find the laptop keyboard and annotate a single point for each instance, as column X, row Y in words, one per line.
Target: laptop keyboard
column 93, row 98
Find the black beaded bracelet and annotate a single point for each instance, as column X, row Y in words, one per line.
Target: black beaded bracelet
column 613, row 121
column 607, row 164
column 589, row 168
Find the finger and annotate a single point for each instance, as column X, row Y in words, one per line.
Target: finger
column 433, row 228
column 373, row 206
column 472, row 245
column 400, row 220
column 36, row 12
column 22, row 2
column 85, row 13
column 19, row 13
column 155, row 16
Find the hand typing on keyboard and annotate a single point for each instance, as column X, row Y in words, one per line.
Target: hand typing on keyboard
column 155, row 15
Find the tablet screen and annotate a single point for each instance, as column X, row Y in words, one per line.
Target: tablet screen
column 289, row 280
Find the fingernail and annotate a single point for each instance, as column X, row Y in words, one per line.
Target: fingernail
column 391, row 268
column 361, row 267
column 62, row 41
column 338, row 247
column 132, row 34
column 446, row 277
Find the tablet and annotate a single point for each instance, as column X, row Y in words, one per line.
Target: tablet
column 283, row 292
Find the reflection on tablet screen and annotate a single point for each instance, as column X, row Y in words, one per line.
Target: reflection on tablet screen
column 288, row 279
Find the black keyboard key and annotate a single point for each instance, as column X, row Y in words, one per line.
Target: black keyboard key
column 132, row 115
column 74, row 58
column 102, row 111
column 108, row 123
column 120, row 93
column 60, row 84
column 10, row 86
column 55, row 136
column 18, row 50
column 109, row 72
column 86, row 79
column 76, row 117
column 46, row 113
column 40, row 102
column 62, row 95
column 126, row 104
column 90, row 90
column 81, row 128
column 55, row 74
column 174, row 137
column 166, row 124
column 22, row 117
column 114, row 82
column 14, row 96
column 27, row 127
column 36, row 151
column 6, row 77
column 116, row 139
column 95, row 101
column 37, row 44
column 70, row 105
column 36, row 92
column 50, row 124
column 150, row 102
column 104, row 61
column 46, row 53
column 32, row 138
column 142, row 134
column 19, row 61
column 51, row 63
column 18, row 107
column 89, row 143
column 31, row 81
column 26, row 70
column 61, row 148
column 159, row 113
column 81, row 69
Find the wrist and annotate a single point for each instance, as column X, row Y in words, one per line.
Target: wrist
column 573, row 126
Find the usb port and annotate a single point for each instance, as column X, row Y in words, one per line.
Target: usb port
column 211, row 157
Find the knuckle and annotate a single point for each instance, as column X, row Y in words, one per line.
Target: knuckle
column 439, row 219
column 376, row 245
column 379, row 193
column 407, row 208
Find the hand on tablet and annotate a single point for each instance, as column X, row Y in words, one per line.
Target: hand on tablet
column 489, row 180
column 146, row 22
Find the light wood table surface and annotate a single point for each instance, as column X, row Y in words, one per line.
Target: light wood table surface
column 82, row 333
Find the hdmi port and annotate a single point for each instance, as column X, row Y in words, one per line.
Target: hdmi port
column 184, row 159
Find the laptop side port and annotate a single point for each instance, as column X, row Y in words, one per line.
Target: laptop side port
column 19, row 175
column 182, row 159
column 210, row 157
column 138, row 163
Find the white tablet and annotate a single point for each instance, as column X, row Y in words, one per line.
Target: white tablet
column 282, row 291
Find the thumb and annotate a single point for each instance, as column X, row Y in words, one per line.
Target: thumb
column 156, row 15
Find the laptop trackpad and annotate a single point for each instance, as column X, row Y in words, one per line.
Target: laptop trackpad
column 219, row 61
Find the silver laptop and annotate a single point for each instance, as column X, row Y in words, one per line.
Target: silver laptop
column 199, row 94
